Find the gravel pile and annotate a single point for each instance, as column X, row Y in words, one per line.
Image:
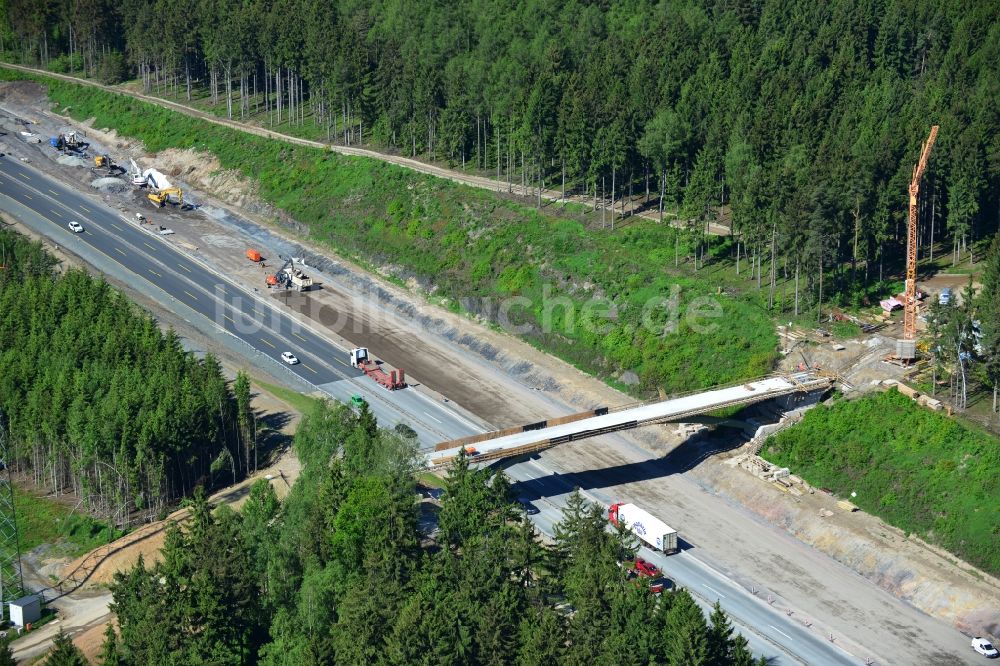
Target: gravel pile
column 69, row 160
column 109, row 185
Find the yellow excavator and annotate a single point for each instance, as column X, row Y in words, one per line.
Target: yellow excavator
column 160, row 197
column 105, row 162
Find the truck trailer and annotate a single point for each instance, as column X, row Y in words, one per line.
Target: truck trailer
column 651, row 530
column 392, row 380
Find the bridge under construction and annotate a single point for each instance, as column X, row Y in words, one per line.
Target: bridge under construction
column 545, row 434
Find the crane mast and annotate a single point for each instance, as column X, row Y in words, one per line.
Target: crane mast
column 910, row 312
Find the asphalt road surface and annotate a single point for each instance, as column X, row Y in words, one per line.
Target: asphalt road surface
column 783, row 639
column 48, row 207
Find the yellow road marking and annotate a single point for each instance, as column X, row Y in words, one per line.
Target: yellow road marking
column 149, row 246
column 184, row 267
column 306, row 365
column 154, row 272
column 268, row 343
column 120, row 251
column 190, row 294
column 116, row 226
column 299, row 337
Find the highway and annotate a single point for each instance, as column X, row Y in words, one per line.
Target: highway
column 783, row 639
column 48, row 207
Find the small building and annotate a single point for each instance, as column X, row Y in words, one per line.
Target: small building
column 25, row 610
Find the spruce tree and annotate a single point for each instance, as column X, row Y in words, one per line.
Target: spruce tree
column 64, row 652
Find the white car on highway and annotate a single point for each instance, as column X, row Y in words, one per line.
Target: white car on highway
column 75, row 227
column 289, row 358
column 983, row 647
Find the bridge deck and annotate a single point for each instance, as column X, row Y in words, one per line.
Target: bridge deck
column 659, row 412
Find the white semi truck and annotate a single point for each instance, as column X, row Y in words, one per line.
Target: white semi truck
column 650, row 529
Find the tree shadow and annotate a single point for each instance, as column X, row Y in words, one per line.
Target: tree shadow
column 272, row 442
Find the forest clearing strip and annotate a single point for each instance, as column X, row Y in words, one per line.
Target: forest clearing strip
column 631, row 209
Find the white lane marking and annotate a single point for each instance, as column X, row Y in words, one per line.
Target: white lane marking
column 780, row 631
column 721, row 596
column 432, row 418
column 450, row 412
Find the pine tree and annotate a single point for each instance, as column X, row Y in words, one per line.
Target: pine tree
column 720, row 634
column 740, row 652
column 988, row 316
column 542, row 638
column 7, row 655
column 687, row 632
column 110, row 652
column 64, row 652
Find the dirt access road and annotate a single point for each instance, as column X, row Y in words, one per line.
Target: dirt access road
column 524, row 384
column 84, row 613
column 624, row 208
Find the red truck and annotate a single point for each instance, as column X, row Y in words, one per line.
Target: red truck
column 392, row 380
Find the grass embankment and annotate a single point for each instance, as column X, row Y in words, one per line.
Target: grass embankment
column 477, row 249
column 43, row 521
column 919, row 470
column 300, row 402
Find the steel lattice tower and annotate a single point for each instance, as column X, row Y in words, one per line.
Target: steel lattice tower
column 11, row 582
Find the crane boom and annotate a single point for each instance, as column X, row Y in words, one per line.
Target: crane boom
column 910, row 313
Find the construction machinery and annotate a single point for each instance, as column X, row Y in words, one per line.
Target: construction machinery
column 68, row 141
column 135, row 173
column 172, row 195
column 105, row 162
column 290, row 277
column 906, row 349
column 392, row 380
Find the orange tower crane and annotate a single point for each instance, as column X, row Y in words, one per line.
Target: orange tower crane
column 910, row 313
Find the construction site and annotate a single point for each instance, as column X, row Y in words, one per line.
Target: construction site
column 706, row 476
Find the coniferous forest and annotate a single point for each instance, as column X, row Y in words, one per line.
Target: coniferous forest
column 802, row 118
column 96, row 400
column 341, row 573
